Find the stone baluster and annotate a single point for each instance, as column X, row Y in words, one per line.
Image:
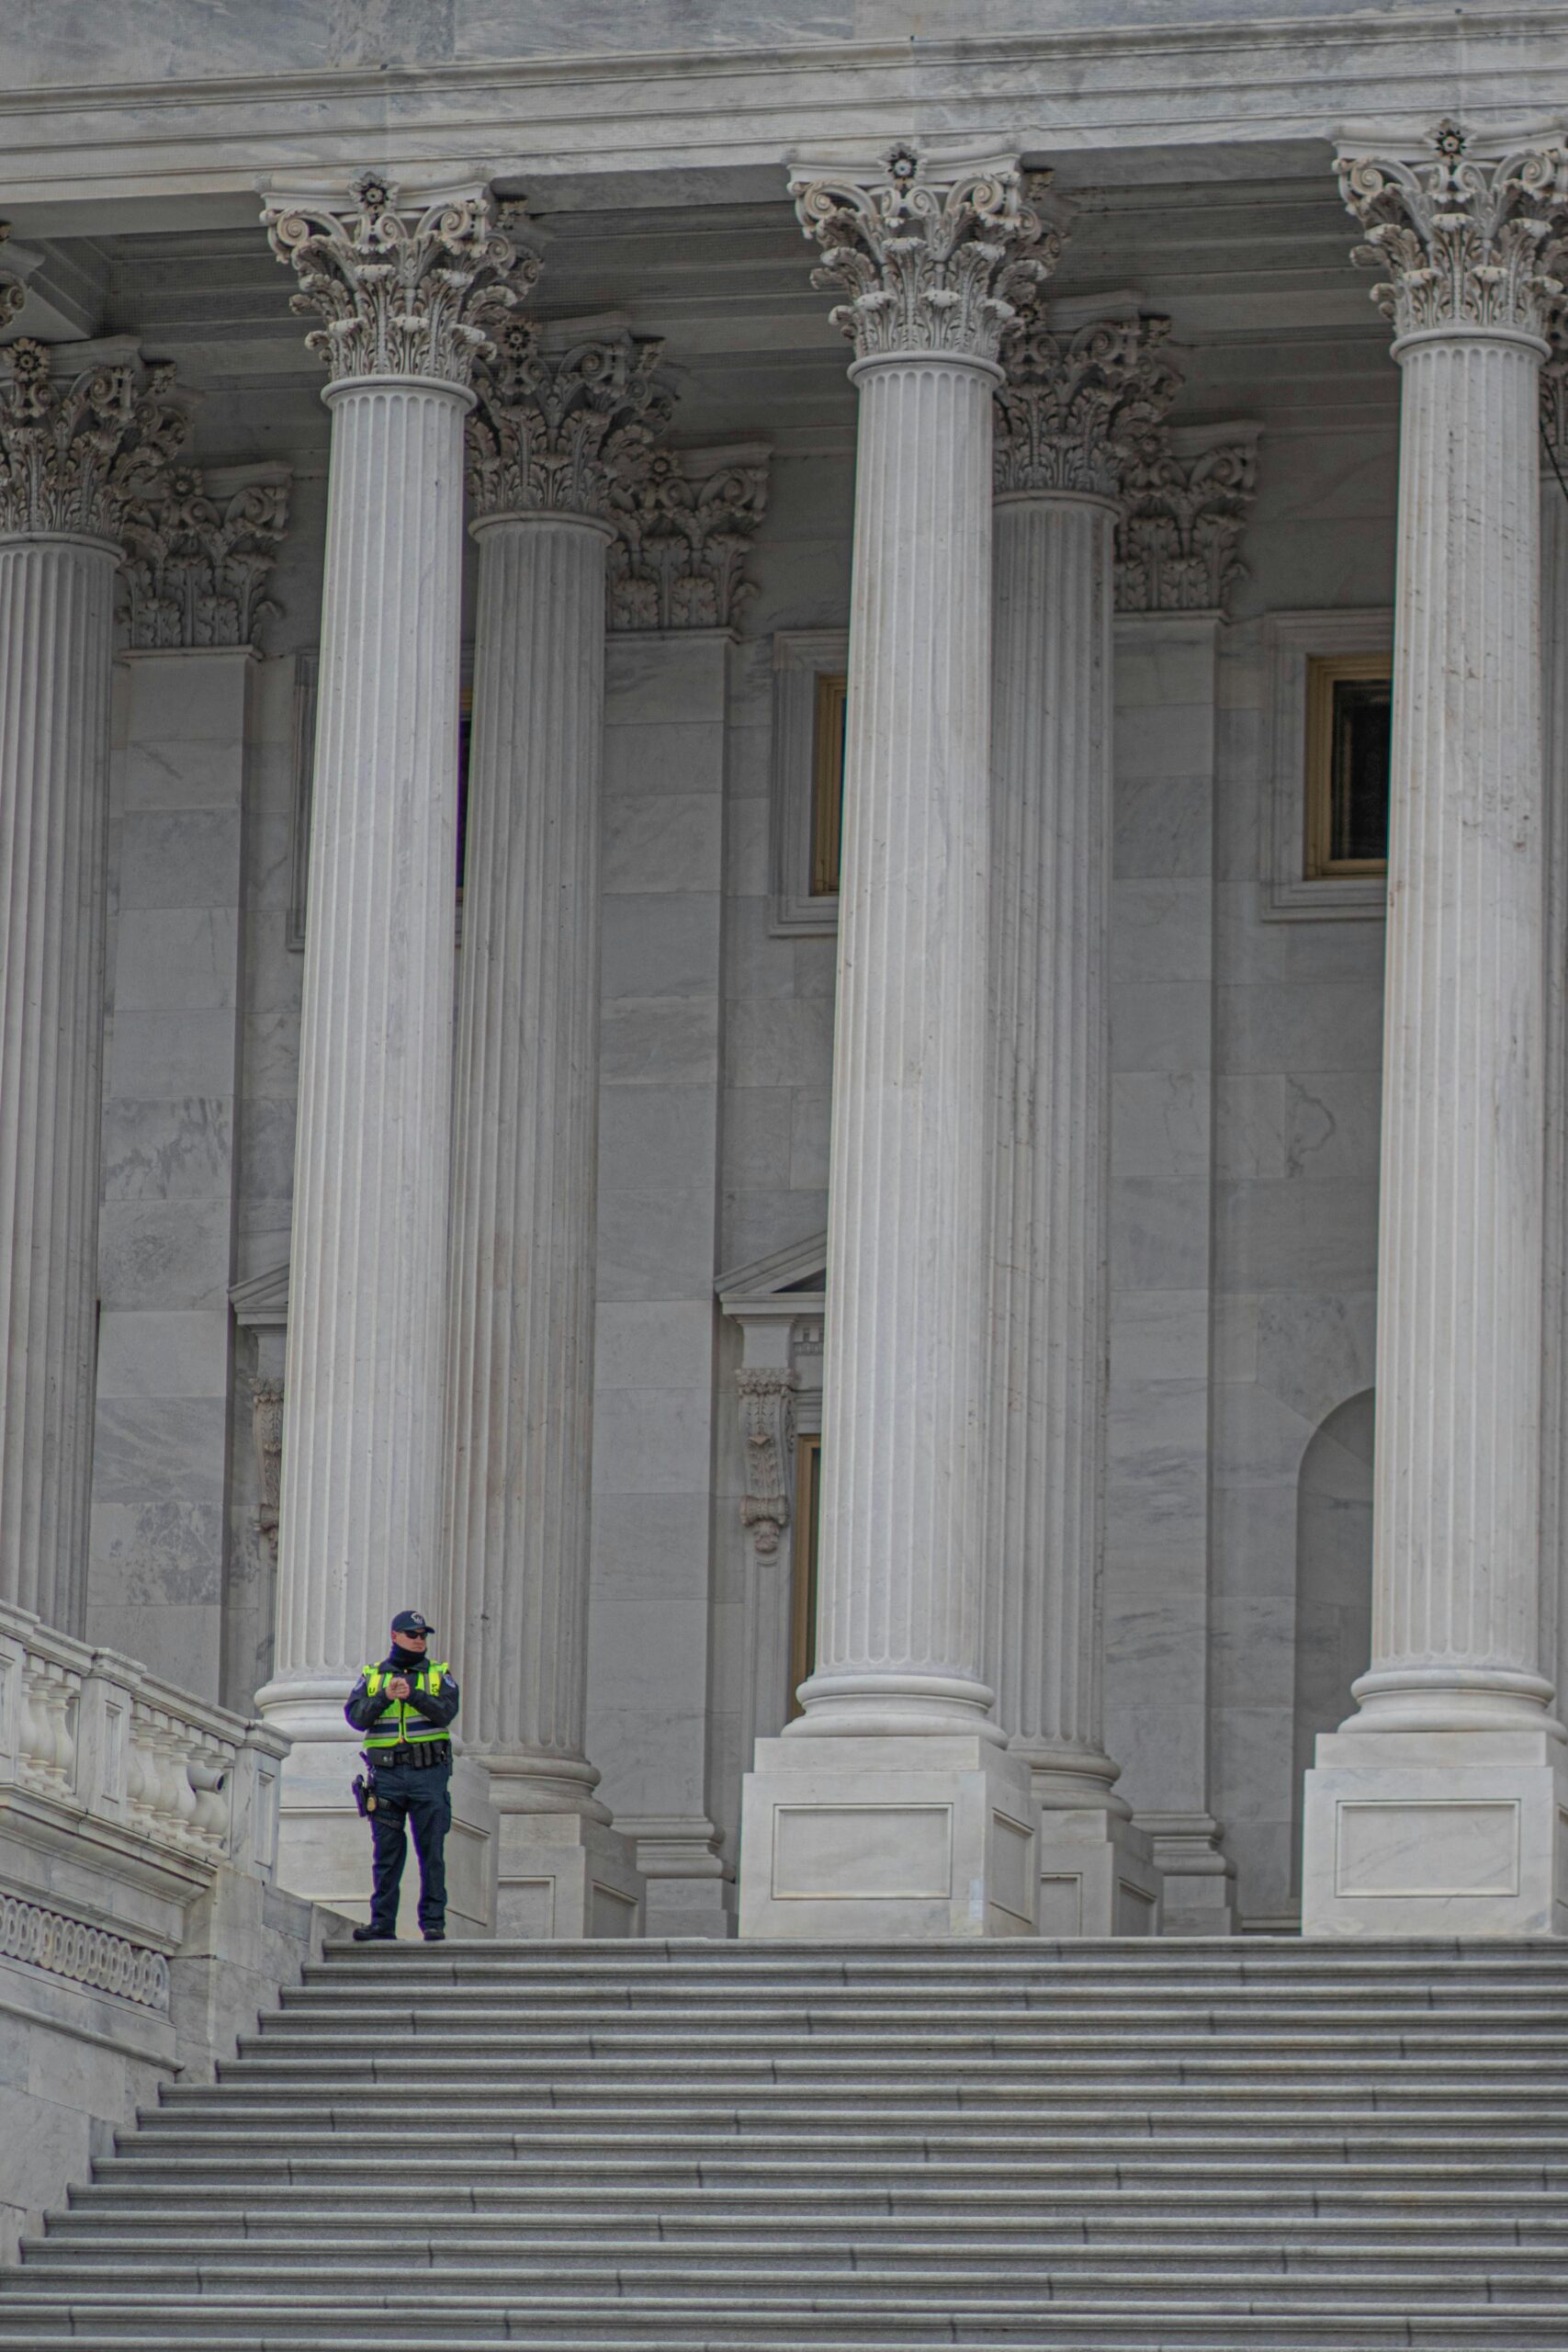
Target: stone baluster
column 407, row 292
column 1073, row 407
column 82, row 433
column 929, row 255
column 550, row 435
column 1436, row 1808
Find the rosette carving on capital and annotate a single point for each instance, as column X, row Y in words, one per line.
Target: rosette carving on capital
column 1076, row 406
column 1467, row 241
column 554, row 435
column 13, row 293
column 414, row 292
column 76, row 451
column 933, row 255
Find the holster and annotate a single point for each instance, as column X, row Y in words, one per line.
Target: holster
column 364, row 1794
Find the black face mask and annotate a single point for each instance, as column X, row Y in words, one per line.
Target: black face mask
column 408, row 1662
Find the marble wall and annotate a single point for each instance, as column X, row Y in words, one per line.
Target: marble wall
column 158, row 1548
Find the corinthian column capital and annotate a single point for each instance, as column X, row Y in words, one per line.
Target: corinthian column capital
column 931, row 255
column 1074, row 405
column 76, row 449
column 553, row 434
column 1470, row 242
column 402, row 290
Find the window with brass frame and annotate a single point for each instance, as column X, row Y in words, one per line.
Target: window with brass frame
column 1349, row 712
column 828, row 781
column 802, row 1592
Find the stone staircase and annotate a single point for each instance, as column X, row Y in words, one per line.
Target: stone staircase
column 1258, row 2146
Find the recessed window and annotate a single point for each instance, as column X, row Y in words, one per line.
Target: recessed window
column 803, row 1595
column 1348, row 715
column 465, row 738
column 827, row 782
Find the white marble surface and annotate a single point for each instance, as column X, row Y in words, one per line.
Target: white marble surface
column 361, row 1445
column 56, row 641
column 520, row 1384
column 899, row 1622
column 654, row 1526
column 159, row 1536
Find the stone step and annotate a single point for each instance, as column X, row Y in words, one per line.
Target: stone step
column 459, row 2132
column 1183, row 2148
column 214, row 2326
column 1511, row 2227
column 358, row 2265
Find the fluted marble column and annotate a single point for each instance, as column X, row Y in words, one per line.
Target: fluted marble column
column 548, row 437
column 405, row 294
column 1437, row 1804
column 75, row 448
column 1072, row 405
column 890, row 1806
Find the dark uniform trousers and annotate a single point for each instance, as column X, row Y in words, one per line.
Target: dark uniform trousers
column 420, row 1800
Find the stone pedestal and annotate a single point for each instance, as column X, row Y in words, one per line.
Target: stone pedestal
column 870, row 1840
column 882, row 1811
column 1461, row 1833
column 1436, row 1808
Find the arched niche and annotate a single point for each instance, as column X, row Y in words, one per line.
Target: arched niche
column 1333, row 1583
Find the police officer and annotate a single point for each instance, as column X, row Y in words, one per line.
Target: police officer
column 404, row 1706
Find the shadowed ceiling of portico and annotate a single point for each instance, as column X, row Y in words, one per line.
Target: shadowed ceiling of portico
column 1275, row 322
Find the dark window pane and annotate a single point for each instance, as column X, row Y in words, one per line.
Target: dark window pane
column 827, row 783
column 465, row 730
column 1358, row 774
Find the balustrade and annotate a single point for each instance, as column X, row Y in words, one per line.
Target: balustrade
column 93, row 1733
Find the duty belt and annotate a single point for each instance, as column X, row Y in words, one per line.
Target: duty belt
column 421, row 1755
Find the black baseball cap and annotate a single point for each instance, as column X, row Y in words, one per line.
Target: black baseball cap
column 409, row 1621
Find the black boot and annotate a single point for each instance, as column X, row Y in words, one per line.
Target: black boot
column 434, row 1935
column 373, row 1935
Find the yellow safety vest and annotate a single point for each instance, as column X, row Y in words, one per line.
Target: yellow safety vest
column 402, row 1725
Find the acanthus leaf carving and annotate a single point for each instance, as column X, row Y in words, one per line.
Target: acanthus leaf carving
column 196, row 562
column 77, row 451
column 555, row 434
column 932, row 256
column 1468, row 242
column 684, row 528
column 767, row 1430
column 414, row 292
column 1076, row 406
column 1178, row 533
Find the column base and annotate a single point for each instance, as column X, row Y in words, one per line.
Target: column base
column 560, row 1875
column 1097, row 1875
column 690, row 1892
column 905, row 1838
column 323, row 1848
column 1458, row 1833
column 1197, row 1880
